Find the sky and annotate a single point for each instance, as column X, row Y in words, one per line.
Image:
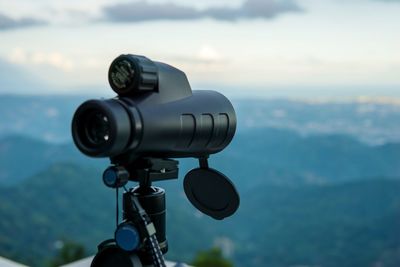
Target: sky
column 288, row 48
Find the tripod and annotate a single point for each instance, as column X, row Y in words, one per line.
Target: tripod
column 140, row 240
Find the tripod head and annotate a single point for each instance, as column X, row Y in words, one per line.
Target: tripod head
column 209, row 190
column 155, row 116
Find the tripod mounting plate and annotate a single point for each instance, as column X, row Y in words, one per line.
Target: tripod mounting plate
column 211, row 192
column 147, row 170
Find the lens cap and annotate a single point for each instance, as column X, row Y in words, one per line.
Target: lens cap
column 211, row 192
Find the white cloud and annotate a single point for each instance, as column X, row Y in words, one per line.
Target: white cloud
column 208, row 53
column 334, row 43
column 52, row 59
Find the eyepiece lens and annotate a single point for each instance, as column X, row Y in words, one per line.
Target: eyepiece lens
column 122, row 74
column 97, row 128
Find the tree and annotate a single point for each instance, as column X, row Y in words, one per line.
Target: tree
column 69, row 252
column 211, row 258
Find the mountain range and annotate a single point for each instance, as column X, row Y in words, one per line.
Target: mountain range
column 351, row 224
column 307, row 199
column 49, row 117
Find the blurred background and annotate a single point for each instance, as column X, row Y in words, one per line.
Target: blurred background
column 316, row 157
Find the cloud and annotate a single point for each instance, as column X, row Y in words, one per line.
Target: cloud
column 8, row 23
column 145, row 11
column 53, row 59
column 209, row 54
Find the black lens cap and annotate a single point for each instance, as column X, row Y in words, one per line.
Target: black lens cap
column 211, row 192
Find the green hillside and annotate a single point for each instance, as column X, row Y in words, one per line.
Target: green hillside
column 283, row 157
column 351, row 224
column 21, row 157
column 305, row 201
column 62, row 202
column 254, row 158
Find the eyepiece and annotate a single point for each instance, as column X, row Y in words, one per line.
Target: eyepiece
column 130, row 74
column 101, row 128
column 122, row 74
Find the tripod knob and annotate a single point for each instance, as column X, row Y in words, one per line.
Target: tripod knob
column 115, row 176
column 127, row 237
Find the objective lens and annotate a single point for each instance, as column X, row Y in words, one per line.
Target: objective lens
column 97, row 128
column 101, row 128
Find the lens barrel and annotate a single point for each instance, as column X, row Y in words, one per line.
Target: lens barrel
column 201, row 124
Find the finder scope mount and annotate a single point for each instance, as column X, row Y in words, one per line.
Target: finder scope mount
column 154, row 117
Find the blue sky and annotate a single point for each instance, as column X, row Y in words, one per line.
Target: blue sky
column 263, row 47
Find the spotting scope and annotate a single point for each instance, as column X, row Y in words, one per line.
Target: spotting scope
column 155, row 114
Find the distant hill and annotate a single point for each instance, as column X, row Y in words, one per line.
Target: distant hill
column 351, row 224
column 22, row 157
column 314, row 191
column 262, row 156
column 61, row 202
column 368, row 121
column 46, row 118
column 255, row 157
column 49, row 117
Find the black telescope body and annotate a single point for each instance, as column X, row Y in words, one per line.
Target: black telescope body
column 155, row 114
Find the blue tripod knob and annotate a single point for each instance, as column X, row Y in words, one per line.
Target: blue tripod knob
column 127, row 237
